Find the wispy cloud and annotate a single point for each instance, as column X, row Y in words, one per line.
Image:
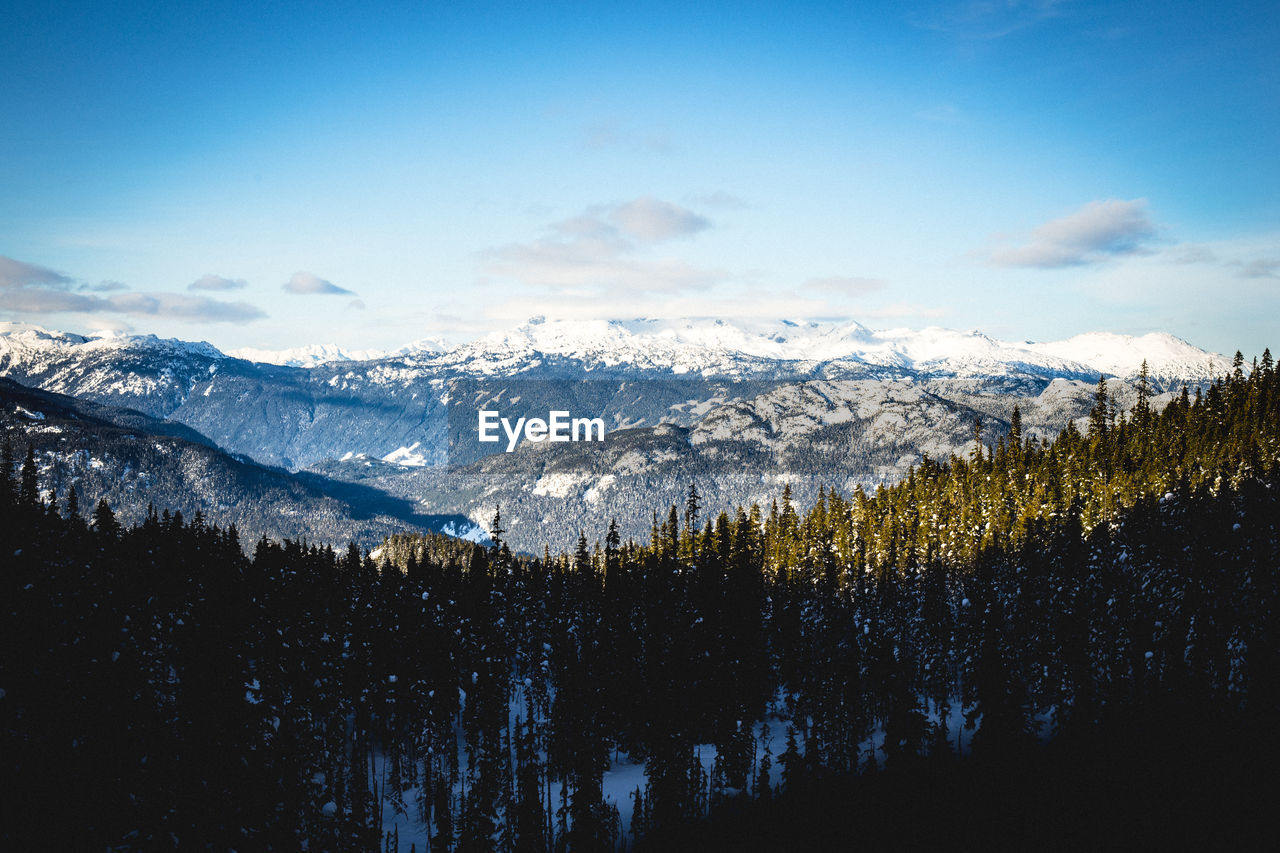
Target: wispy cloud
column 844, row 285
column 106, row 286
column 606, row 249
column 33, row 289
column 179, row 306
column 309, row 284
column 209, row 281
column 1195, row 254
column 1260, row 268
column 652, row 220
column 904, row 310
column 17, row 274
column 171, row 305
column 1094, row 233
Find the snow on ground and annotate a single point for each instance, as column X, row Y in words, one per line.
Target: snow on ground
column 471, row 533
column 401, row 815
column 558, row 484
column 407, row 457
column 312, row 355
column 1122, row 355
column 602, row 485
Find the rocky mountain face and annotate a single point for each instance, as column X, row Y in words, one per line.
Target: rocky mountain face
column 739, row 407
column 837, row 434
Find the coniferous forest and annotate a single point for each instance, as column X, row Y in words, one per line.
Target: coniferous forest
column 1012, row 646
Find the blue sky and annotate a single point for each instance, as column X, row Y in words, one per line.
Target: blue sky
column 274, row 174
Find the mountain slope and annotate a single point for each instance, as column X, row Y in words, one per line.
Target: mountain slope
column 806, row 435
column 133, row 460
column 633, row 373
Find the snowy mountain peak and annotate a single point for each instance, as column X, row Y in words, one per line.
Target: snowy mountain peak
column 152, row 343
column 716, row 346
column 1168, row 357
column 424, row 346
column 33, row 340
column 312, row 355
column 709, row 347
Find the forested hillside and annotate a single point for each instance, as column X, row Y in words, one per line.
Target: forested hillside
column 134, row 461
column 162, row 690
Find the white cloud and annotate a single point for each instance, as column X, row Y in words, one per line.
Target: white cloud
column 1094, row 233
column 1260, row 268
column 33, row 289
column 844, row 285
column 651, row 220
column 605, row 250
column 209, row 281
column 1193, row 253
column 309, row 284
column 177, row 306
column 106, row 286
column 16, row 274
column 903, row 310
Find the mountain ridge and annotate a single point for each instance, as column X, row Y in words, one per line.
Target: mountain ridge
column 704, row 346
column 133, row 460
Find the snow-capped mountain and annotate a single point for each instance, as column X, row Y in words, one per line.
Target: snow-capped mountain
column 1169, row 359
column 818, row 433
column 699, row 347
column 674, row 371
column 742, row 407
column 107, row 368
column 314, row 355
column 21, row 341
column 134, row 461
column 311, row 355
column 740, row 349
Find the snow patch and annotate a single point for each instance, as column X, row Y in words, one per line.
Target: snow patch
column 407, row 457
column 558, row 484
column 593, row 494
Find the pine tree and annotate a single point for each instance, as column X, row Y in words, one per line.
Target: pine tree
column 1100, row 414
column 104, row 521
column 792, row 761
column 29, row 489
column 1142, row 410
column 691, row 507
column 495, row 527
column 7, row 493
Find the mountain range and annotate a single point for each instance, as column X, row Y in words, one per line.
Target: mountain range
column 740, row 407
column 134, row 461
